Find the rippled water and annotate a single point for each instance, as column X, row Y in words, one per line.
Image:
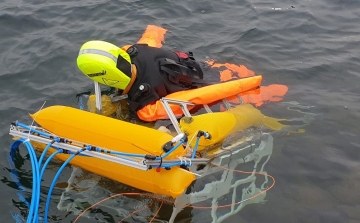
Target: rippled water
column 310, row 46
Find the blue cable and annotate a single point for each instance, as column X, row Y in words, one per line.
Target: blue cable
column 35, row 187
column 33, row 214
column 44, row 153
column 33, row 130
column 127, row 154
column 178, row 163
column 38, row 180
column 35, row 199
column 42, row 174
column 172, row 149
column 196, row 146
column 48, row 161
column 53, row 184
column 14, row 146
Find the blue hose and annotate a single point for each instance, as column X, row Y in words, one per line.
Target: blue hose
column 53, row 184
column 44, row 153
column 36, row 202
column 42, row 174
column 172, row 149
column 48, row 161
column 35, row 186
column 33, row 130
column 37, row 176
column 196, row 146
column 127, row 154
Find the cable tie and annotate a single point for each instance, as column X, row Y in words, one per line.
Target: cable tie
column 185, row 162
column 181, row 161
column 79, row 151
column 149, row 157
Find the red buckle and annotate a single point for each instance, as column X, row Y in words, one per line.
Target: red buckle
column 182, row 55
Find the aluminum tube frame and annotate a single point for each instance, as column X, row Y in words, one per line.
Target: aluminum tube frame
column 98, row 97
column 143, row 164
column 115, row 159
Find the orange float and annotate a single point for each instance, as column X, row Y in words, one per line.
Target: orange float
column 154, row 36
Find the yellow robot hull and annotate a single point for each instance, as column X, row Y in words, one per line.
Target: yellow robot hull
column 115, row 135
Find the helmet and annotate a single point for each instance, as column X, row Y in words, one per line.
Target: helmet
column 105, row 63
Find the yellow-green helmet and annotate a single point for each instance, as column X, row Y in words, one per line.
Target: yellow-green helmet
column 100, row 60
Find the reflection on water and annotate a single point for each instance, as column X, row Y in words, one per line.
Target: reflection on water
column 222, row 189
column 235, row 178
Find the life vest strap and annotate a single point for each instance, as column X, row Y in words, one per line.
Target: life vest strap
column 178, row 78
column 189, row 79
column 132, row 80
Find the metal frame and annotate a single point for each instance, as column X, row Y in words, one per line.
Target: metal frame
column 182, row 104
column 139, row 163
column 98, row 97
column 165, row 102
column 236, row 154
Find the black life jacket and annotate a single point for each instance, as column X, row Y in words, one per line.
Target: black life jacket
column 161, row 72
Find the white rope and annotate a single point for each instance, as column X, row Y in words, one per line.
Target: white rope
column 32, row 123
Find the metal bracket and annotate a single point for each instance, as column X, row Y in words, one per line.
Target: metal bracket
column 182, row 104
column 117, row 98
column 98, row 97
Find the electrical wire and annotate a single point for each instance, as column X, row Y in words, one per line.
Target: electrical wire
column 185, row 205
column 132, row 213
column 162, row 202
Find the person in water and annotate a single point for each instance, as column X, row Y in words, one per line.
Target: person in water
column 144, row 73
